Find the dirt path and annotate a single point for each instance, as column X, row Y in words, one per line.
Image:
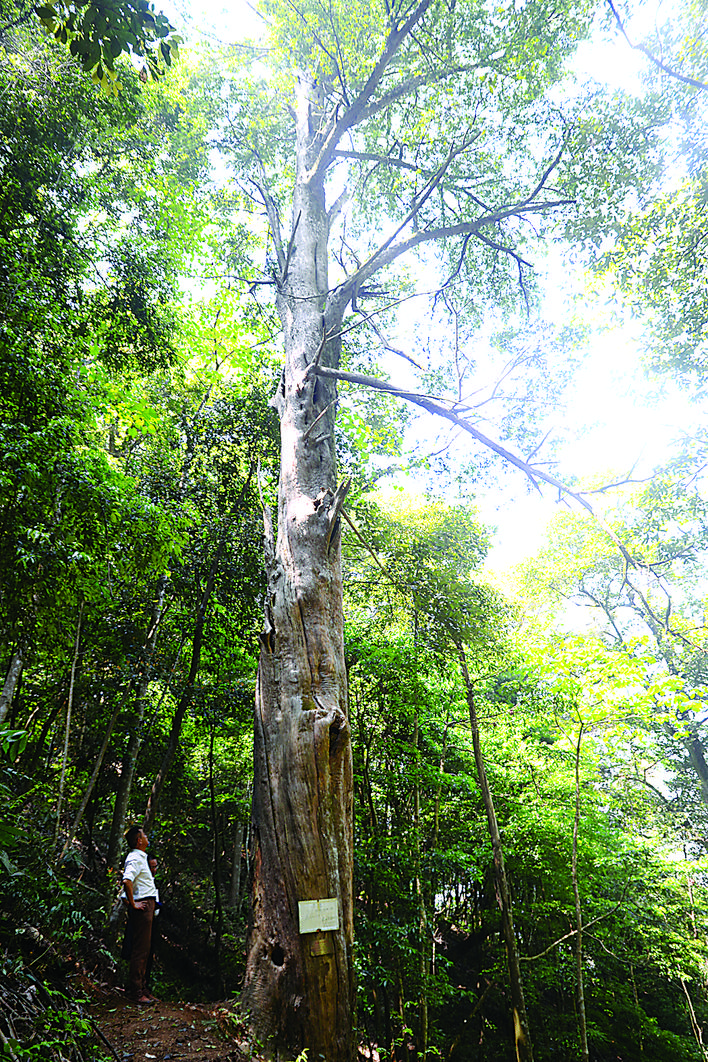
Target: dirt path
column 167, row 1031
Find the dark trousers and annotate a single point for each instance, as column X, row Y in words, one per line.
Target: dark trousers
column 140, row 921
column 127, row 948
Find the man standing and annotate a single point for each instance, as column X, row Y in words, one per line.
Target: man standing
column 140, row 895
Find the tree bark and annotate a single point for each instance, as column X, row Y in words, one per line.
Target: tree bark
column 299, row 989
column 11, row 679
column 522, row 1037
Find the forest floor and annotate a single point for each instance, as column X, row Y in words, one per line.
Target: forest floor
column 166, row 1030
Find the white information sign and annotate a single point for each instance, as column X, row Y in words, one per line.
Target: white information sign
column 318, row 915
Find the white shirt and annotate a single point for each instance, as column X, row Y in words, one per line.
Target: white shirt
column 138, row 871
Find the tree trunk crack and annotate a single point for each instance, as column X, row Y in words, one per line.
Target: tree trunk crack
column 269, row 774
column 307, row 647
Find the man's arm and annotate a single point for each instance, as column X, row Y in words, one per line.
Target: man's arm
column 137, row 905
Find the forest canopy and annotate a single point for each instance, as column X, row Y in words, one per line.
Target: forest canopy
column 275, row 323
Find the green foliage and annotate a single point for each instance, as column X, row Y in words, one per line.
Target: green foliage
column 427, row 554
column 650, row 674
column 47, row 918
column 98, row 34
column 422, row 845
column 658, row 260
column 128, row 461
column 12, row 743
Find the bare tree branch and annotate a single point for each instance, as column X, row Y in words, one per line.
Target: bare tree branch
column 436, row 407
column 357, row 111
column 433, row 182
column 572, row 933
column 383, row 258
column 405, row 88
column 371, row 156
column 500, row 247
column 271, row 211
column 685, row 79
column 369, row 319
column 390, row 251
column 624, row 482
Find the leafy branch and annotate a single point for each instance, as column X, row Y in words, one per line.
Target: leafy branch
column 677, row 75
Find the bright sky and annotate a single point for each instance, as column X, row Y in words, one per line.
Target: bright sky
column 615, row 425
column 229, row 23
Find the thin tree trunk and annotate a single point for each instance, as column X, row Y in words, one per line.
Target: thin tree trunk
column 218, row 916
column 401, row 1049
column 438, row 790
column 94, row 776
column 180, row 712
column 580, row 986
column 422, row 913
column 67, row 729
column 11, row 679
column 695, row 1027
column 235, row 887
column 166, row 688
column 697, row 758
column 522, row 1037
column 120, row 808
column 185, row 700
column 31, row 766
column 638, row 1009
column 299, row 989
column 131, row 756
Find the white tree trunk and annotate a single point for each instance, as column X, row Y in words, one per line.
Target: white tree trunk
column 12, row 678
column 299, row 989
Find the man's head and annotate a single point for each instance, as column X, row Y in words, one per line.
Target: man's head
column 136, row 838
column 152, row 863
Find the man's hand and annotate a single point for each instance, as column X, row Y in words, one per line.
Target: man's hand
column 137, row 905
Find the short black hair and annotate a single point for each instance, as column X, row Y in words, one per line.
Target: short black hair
column 131, row 836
